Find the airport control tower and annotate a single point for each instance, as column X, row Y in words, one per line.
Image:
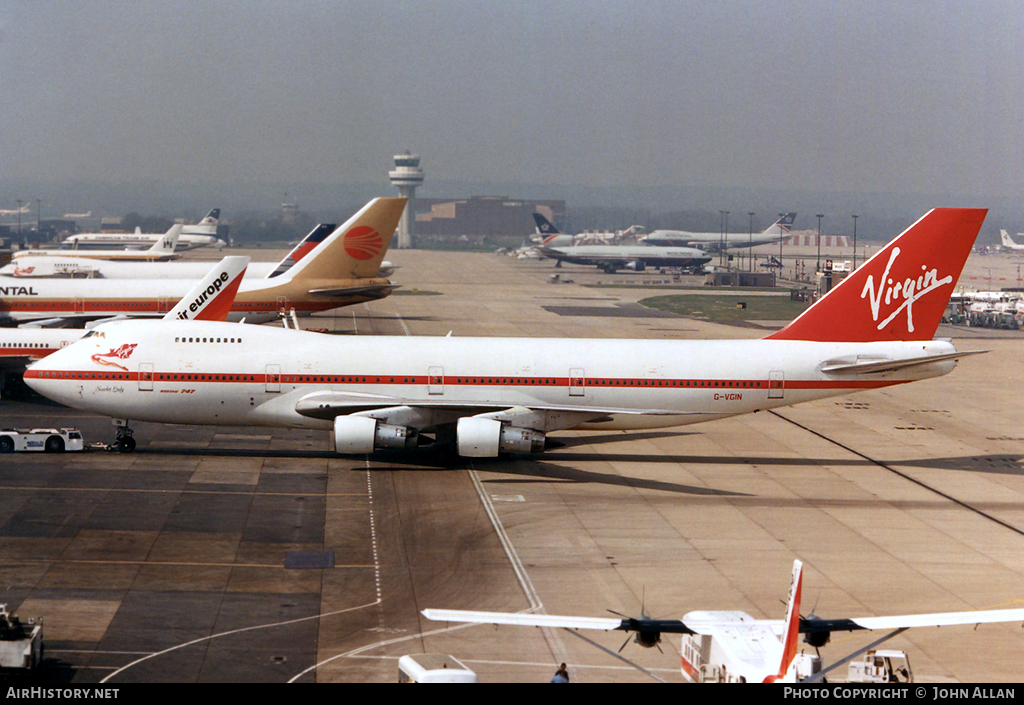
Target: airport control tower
column 407, row 175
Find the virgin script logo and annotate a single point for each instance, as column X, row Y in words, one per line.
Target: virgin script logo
column 908, row 291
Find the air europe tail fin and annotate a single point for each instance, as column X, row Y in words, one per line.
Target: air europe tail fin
column 308, row 244
column 902, row 291
column 1008, row 242
column 791, row 632
column 166, row 243
column 211, row 298
column 356, row 249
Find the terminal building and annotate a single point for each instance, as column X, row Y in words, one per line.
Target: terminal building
column 482, row 219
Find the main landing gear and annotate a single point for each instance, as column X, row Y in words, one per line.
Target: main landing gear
column 123, row 441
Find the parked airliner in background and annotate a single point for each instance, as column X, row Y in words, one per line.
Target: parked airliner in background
column 779, row 230
column 1008, row 242
column 77, row 216
column 491, row 395
column 210, row 299
column 15, row 211
column 734, row 647
column 638, row 258
column 547, row 234
column 161, row 251
column 202, row 234
column 339, row 271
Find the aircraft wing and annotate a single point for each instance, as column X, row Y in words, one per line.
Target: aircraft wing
column 937, row 619
column 327, row 405
column 522, row 619
column 72, row 320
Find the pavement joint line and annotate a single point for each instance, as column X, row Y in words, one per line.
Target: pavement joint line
column 905, row 476
column 237, row 631
column 558, row 649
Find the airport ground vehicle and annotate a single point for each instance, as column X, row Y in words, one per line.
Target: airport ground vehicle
column 21, row 643
column 49, row 440
column 881, row 666
column 433, row 668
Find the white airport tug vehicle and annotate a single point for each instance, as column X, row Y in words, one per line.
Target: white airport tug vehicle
column 49, row 440
column 434, row 668
column 21, row 643
column 881, row 666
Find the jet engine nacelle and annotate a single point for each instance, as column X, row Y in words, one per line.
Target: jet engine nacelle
column 636, row 265
column 360, row 434
column 485, row 438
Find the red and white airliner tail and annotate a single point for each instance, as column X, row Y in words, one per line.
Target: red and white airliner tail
column 901, row 292
column 212, row 297
column 791, row 634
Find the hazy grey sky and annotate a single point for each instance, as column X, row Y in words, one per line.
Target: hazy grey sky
column 919, row 97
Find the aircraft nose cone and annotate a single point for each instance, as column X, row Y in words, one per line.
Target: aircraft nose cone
column 47, row 377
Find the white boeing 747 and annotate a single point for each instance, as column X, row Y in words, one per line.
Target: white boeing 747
column 493, row 395
column 779, row 230
column 209, row 300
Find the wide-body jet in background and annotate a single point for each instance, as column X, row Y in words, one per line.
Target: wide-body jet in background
column 202, row 234
column 712, row 242
column 638, row 258
column 492, row 395
column 161, row 251
column 339, row 271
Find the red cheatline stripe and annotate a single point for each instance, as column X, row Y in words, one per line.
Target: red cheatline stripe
column 730, row 386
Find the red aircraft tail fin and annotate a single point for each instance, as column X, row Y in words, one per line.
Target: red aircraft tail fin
column 791, row 633
column 902, row 291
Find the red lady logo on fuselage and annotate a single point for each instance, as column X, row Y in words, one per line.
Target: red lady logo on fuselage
column 121, row 353
column 363, row 242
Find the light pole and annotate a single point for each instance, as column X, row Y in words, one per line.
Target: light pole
column 19, row 221
column 781, row 215
column 854, row 242
column 750, row 243
column 724, row 237
column 39, row 209
column 819, row 217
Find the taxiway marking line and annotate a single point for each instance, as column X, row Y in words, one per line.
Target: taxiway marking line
column 228, row 492
column 182, row 563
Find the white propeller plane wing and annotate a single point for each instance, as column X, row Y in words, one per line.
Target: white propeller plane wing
column 744, row 648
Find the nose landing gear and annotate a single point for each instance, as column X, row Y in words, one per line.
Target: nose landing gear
column 123, row 441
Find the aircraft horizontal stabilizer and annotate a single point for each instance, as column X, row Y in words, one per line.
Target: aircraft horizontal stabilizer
column 876, row 366
column 356, row 290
